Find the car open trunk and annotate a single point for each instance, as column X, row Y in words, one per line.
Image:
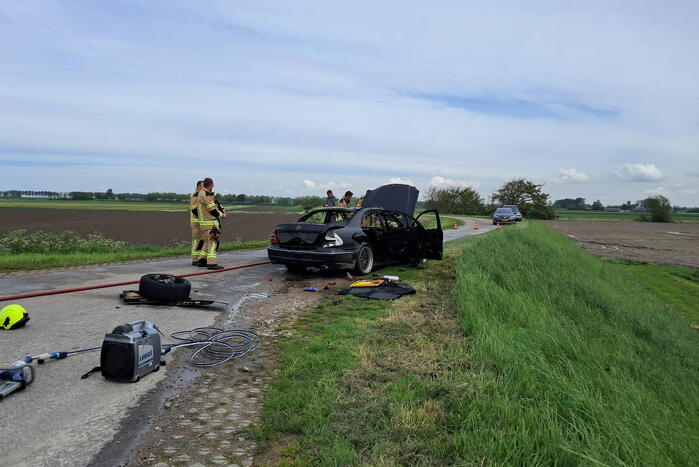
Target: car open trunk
column 302, row 236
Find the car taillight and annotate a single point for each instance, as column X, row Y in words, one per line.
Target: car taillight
column 332, row 240
column 273, row 238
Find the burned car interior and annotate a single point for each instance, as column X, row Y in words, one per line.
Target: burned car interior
column 381, row 232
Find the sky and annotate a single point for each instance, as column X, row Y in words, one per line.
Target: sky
column 594, row 99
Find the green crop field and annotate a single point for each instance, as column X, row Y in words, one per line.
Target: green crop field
column 518, row 349
column 93, row 205
column 620, row 216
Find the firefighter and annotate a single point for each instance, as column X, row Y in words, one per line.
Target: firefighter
column 346, row 200
column 197, row 240
column 209, row 223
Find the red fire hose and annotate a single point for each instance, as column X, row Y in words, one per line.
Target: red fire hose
column 117, row 284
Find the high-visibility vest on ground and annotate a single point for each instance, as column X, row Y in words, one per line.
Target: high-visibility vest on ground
column 207, row 210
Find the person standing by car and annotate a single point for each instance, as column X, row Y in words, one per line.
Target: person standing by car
column 346, row 200
column 330, row 201
column 209, row 223
column 197, row 241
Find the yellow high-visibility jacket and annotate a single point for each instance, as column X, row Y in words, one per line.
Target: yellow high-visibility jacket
column 207, row 210
column 194, row 209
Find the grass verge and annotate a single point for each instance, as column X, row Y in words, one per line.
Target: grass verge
column 535, row 353
column 676, row 286
column 26, row 261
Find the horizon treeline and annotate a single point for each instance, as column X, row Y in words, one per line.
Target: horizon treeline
column 167, row 197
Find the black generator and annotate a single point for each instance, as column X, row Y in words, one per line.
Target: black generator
column 130, row 351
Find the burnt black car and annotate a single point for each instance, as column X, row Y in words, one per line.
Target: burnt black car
column 380, row 233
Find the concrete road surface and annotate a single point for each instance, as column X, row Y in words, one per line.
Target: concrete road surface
column 63, row 420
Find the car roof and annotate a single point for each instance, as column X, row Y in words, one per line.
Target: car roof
column 331, row 208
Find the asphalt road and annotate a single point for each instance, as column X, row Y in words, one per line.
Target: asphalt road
column 63, row 420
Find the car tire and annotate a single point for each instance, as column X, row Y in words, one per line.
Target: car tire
column 164, row 287
column 495, row 223
column 365, row 261
column 295, row 268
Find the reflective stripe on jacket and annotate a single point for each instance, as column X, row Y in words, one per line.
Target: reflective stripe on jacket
column 208, row 213
column 193, row 208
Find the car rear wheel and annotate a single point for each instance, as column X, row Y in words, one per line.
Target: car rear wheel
column 295, row 268
column 365, row 261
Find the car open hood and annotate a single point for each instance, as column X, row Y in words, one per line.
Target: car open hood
column 394, row 197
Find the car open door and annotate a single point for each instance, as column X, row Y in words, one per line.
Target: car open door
column 428, row 242
column 398, row 235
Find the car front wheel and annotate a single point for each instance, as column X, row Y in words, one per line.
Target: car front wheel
column 365, row 261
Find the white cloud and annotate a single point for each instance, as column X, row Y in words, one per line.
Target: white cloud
column 638, row 173
column 406, row 181
column 311, row 185
column 690, row 191
column 571, row 176
column 657, row 191
column 438, row 181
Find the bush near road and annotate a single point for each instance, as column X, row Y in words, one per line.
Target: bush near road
column 536, row 353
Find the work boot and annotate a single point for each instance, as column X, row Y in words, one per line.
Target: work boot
column 201, row 263
column 214, row 267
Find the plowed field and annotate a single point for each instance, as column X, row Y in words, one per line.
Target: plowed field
column 137, row 228
column 640, row 241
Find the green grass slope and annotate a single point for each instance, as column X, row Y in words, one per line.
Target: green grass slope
column 577, row 361
column 677, row 287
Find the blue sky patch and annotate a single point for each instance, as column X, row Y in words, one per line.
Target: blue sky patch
column 517, row 108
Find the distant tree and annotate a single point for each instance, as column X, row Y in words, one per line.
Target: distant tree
column 597, row 206
column 693, row 210
column 627, row 206
column 240, row 198
column 577, row 204
column 659, row 208
column 528, row 196
column 110, row 193
column 81, row 195
column 455, row 200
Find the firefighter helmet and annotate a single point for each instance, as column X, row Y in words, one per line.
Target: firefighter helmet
column 13, row 317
